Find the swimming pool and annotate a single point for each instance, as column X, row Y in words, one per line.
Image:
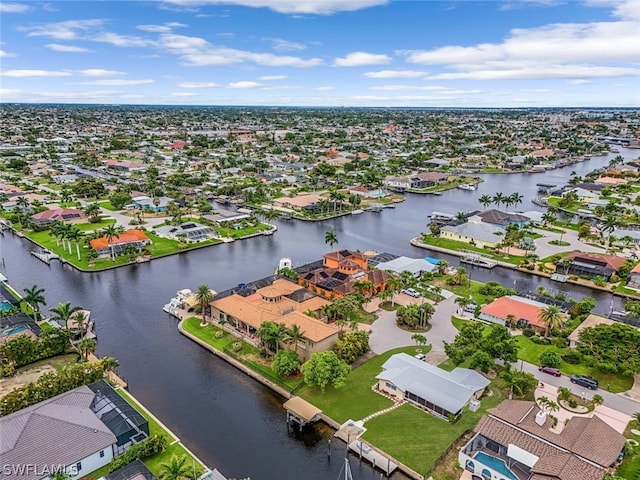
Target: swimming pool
column 5, row 306
column 495, row 464
column 13, row 330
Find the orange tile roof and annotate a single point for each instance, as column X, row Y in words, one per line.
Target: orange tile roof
column 503, row 306
column 129, row 236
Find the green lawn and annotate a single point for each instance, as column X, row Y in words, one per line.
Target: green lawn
column 530, row 352
column 107, row 204
column 460, row 246
column 84, row 227
column 246, row 355
column 356, row 400
column 159, row 247
column 630, row 467
column 242, row 232
column 417, row 438
column 472, row 288
column 154, row 463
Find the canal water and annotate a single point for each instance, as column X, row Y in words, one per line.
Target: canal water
column 230, row 421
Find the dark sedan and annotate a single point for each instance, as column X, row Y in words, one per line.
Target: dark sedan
column 550, row 370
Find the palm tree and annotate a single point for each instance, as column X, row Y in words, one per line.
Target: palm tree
column 516, row 198
column 92, row 210
column 485, row 200
column 271, row 334
column 460, row 277
column 34, row 297
column 79, row 321
column 419, row 339
column 75, row 235
column 271, row 214
column 63, row 312
column 552, row 317
column 330, row 238
column 204, row 296
column 394, row 285
column 511, row 381
column 86, row 346
column 597, row 399
column 363, row 287
column 609, row 225
column 548, row 218
column 498, row 198
column 111, row 232
column 175, row 469
column 463, row 302
column 294, row 335
column 564, row 393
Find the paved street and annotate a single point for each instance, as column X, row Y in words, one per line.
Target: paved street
column 385, row 335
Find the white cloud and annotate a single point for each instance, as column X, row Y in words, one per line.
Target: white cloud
column 34, row 73
column 285, row 45
column 117, row 82
column 540, row 72
column 166, row 28
column 14, row 8
column 395, row 74
column 67, row 30
column 67, row 48
column 578, row 81
column 359, row 59
column 197, row 51
column 245, row 85
column 125, row 41
column 268, row 78
column 624, row 9
column 429, row 88
column 562, row 50
column 99, row 72
column 4, row 54
column 324, row 89
column 317, row 7
column 197, row 85
column 185, row 94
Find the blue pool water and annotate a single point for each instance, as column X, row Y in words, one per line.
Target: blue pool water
column 11, row 331
column 496, row 464
column 5, row 306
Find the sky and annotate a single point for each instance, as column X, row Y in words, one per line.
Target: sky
column 370, row 53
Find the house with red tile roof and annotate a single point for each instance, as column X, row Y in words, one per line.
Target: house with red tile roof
column 134, row 237
column 634, row 278
column 524, row 311
column 66, row 215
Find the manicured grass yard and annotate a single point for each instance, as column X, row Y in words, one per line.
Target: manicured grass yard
column 530, row 352
column 630, row 467
column 356, row 400
column 233, row 233
column 417, row 438
column 460, row 246
column 84, row 227
column 155, row 463
column 247, row 355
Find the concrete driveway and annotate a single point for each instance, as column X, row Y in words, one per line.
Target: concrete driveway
column 386, row 335
column 544, row 249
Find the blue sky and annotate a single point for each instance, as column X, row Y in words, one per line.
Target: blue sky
column 501, row 53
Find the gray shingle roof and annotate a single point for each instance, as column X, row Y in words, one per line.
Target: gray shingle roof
column 61, row 430
column 444, row 389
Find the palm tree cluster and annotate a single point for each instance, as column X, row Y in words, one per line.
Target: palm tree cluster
column 272, row 334
column 66, row 233
column 501, row 199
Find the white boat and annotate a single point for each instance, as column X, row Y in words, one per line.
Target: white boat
column 357, row 212
column 466, row 186
column 178, row 301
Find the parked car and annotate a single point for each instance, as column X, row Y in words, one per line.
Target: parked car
column 550, row 370
column 420, row 356
column 584, row 381
column 411, row 292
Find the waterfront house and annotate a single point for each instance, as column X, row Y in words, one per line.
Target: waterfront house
column 125, row 166
column 280, row 302
column 583, row 195
column 419, row 180
column 500, row 219
column 339, row 271
column 589, row 265
column 610, row 181
column 134, row 237
column 634, row 278
column 13, row 326
column 366, row 192
column 301, row 200
column 221, row 215
column 81, row 430
column 591, row 321
column 192, row 231
column 514, row 441
column 417, row 266
column 525, row 311
column 66, row 215
column 441, row 393
column 475, row 233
